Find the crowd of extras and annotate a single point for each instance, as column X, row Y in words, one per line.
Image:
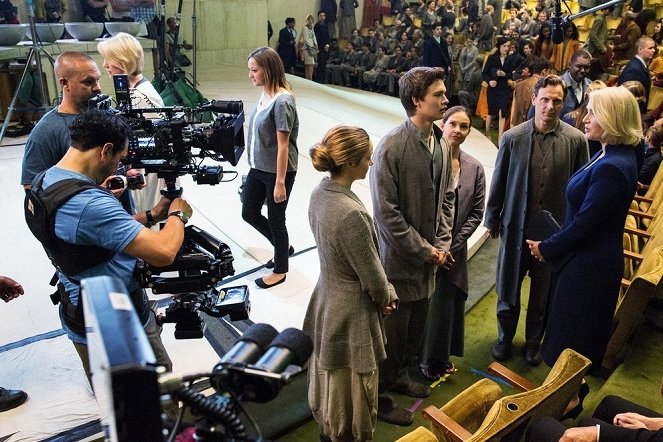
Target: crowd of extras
column 467, row 44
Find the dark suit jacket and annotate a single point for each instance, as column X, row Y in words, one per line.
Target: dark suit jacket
column 650, row 165
column 436, row 54
column 635, row 70
column 286, row 48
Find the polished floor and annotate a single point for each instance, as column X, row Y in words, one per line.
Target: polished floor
column 49, row 369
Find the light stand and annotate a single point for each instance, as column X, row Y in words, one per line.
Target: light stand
column 34, row 55
column 194, row 25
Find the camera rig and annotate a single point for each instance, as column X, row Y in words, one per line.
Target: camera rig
column 178, row 142
column 201, row 263
column 129, row 389
column 171, row 142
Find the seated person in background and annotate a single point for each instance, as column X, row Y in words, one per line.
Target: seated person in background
column 468, row 95
column 614, row 420
column 173, row 48
column 652, row 158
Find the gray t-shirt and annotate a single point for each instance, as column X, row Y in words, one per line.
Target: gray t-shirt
column 47, row 144
column 278, row 116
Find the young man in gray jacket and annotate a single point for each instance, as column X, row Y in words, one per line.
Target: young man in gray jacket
column 413, row 208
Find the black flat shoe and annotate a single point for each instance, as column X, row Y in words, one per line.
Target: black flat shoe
column 263, row 285
column 270, row 264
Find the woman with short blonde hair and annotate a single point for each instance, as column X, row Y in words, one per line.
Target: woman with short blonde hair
column 587, row 255
column 123, row 55
column 124, row 51
column 617, row 112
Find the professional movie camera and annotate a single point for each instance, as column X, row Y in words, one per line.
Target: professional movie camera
column 172, row 142
column 128, row 388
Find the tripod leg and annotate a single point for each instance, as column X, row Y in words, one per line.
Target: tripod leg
column 10, row 109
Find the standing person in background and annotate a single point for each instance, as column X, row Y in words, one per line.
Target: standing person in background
column 272, row 155
column 344, row 315
column 534, row 162
column 598, row 198
column 322, row 37
column 123, row 54
column 562, row 53
column 446, row 314
column 94, row 10
column 144, row 11
column 49, row 11
column 497, row 73
column 287, row 45
column 413, row 208
column 468, row 54
column 348, row 20
column 330, row 7
column 8, row 13
column 10, row 289
column 308, row 47
column 486, row 30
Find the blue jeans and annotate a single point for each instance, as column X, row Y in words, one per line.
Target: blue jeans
column 259, row 190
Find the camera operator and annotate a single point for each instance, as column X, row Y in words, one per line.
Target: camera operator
column 78, row 76
column 92, row 232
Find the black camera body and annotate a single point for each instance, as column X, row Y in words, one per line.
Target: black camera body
column 126, row 182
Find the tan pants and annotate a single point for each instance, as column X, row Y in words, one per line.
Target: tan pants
column 344, row 403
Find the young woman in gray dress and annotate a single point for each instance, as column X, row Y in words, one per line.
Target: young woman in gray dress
column 446, row 314
column 344, row 315
column 272, row 154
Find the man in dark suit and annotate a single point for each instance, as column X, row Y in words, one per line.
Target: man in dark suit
column 637, row 69
column 436, row 53
column 576, row 81
column 322, row 37
column 287, row 45
column 614, row 420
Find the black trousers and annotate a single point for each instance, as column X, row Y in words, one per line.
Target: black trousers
column 259, row 190
column 548, row 429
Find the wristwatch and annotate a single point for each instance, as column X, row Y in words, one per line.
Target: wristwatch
column 181, row 214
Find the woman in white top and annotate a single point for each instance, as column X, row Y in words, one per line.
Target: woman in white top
column 272, row 155
column 123, row 54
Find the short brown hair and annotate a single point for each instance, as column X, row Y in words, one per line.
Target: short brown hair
column 415, row 84
column 548, row 80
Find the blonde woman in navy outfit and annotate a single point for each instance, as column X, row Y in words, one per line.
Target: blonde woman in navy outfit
column 597, row 201
column 272, row 155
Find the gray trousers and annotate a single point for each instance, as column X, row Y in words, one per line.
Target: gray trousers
column 508, row 314
column 405, row 330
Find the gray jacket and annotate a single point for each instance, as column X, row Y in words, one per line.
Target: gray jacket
column 344, row 315
column 507, row 203
column 411, row 214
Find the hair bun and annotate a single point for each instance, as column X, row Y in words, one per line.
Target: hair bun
column 321, row 159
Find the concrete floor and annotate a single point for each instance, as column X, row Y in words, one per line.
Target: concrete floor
column 49, row 370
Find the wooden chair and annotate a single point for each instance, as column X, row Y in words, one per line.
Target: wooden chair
column 632, row 304
column 475, row 414
column 419, row 434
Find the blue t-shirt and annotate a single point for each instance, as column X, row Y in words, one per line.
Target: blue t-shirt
column 94, row 217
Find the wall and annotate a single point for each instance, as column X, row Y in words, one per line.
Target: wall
column 227, row 29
